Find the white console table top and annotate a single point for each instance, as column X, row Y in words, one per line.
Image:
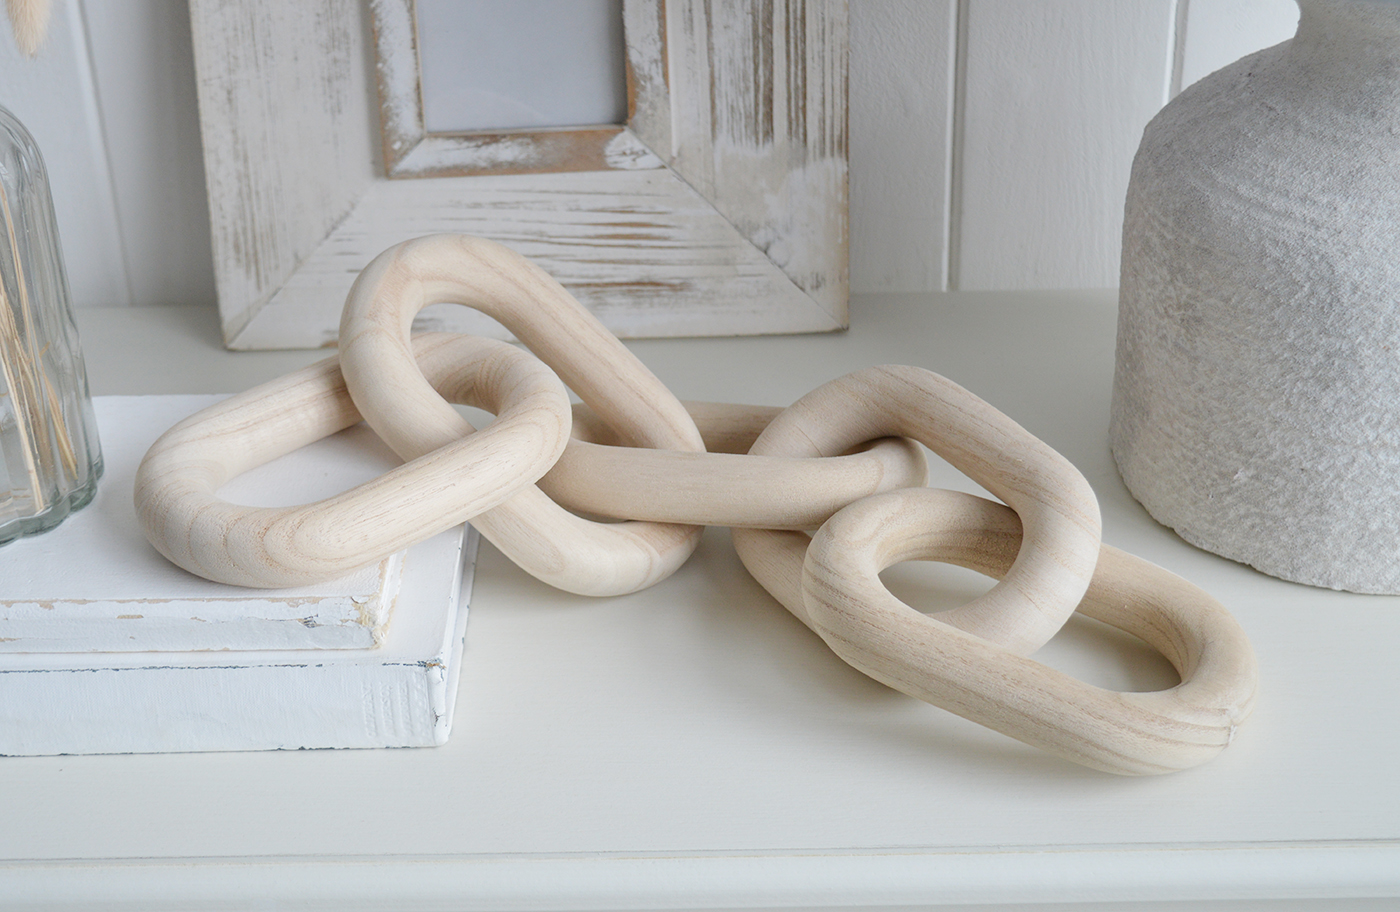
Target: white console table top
column 695, row 747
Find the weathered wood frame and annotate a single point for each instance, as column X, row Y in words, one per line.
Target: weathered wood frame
column 718, row 209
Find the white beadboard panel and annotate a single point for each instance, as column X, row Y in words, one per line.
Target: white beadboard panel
column 901, row 107
column 1057, row 95
column 1219, row 32
column 52, row 94
column 143, row 64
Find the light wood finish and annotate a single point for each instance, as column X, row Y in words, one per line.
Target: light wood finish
column 723, row 210
column 554, row 545
column 724, row 427
column 662, row 750
column 1055, row 502
column 1128, row 733
column 969, row 659
column 177, row 482
column 723, row 487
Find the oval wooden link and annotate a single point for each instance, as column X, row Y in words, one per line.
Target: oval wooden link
column 185, row 519
column 1127, row 733
column 562, row 549
column 1043, row 547
column 721, row 487
column 1054, row 501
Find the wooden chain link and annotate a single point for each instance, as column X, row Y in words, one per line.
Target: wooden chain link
column 844, row 460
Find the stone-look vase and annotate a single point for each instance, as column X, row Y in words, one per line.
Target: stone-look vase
column 1256, row 399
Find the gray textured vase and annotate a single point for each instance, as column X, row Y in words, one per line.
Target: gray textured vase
column 1256, row 400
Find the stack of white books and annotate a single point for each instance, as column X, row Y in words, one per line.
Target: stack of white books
column 106, row 647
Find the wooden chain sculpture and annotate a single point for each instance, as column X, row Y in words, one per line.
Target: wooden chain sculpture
column 822, row 496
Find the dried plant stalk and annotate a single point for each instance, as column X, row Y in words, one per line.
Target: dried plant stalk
column 22, row 366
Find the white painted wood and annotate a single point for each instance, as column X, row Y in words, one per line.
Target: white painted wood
column 882, row 882
column 143, row 70
column 286, row 157
column 663, row 749
column 1219, row 32
column 579, row 227
column 402, row 694
column 94, row 585
column 1056, row 96
column 53, row 96
column 903, row 54
column 411, row 151
column 758, row 127
column 294, row 200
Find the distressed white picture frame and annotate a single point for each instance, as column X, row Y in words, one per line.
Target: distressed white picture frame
column 719, row 208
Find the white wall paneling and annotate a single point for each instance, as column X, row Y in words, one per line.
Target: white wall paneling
column 143, row 66
column 1052, row 101
column 902, row 57
column 1049, row 112
column 1056, row 96
column 1216, row 33
column 52, row 94
column 110, row 100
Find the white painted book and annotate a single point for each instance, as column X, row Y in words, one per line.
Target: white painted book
column 105, row 647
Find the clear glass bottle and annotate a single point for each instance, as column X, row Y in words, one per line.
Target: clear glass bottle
column 49, row 455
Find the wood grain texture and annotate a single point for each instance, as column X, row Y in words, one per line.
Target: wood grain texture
column 717, row 718
column 1056, row 96
column 186, row 520
column 725, row 486
column 297, row 207
column 931, row 658
column 568, row 552
column 1054, row 501
column 760, row 128
column 648, row 73
column 283, row 100
column 641, row 249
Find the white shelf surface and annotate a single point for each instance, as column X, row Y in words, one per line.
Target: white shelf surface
column 693, row 746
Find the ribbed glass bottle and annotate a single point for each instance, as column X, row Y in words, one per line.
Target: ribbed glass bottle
column 49, row 455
